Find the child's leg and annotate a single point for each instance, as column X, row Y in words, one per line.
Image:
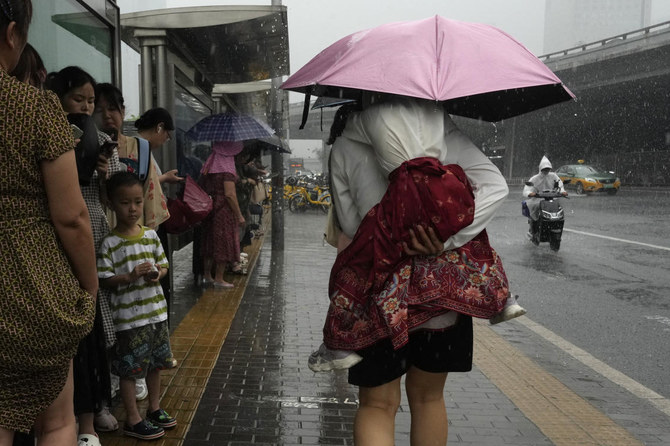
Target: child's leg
column 154, row 386
column 127, row 386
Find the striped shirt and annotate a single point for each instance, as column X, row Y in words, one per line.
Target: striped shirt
column 139, row 303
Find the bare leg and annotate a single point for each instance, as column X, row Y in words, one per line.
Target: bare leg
column 220, row 269
column 207, row 268
column 425, row 392
column 154, row 387
column 86, row 423
column 374, row 423
column 127, row 386
column 57, row 425
column 6, row 437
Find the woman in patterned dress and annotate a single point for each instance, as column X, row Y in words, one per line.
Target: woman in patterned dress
column 220, row 230
column 92, row 392
column 48, row 279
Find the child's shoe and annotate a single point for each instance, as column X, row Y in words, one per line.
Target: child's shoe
column 144, row 430
column 325, row 359
column 162, row 419
column 511, row 310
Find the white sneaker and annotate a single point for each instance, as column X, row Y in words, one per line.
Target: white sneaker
column 509, row 311
column 141, row 390
column 114, row 379
column 325, row 359
column 104, row 421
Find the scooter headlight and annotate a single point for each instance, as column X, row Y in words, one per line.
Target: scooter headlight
column 558, row 215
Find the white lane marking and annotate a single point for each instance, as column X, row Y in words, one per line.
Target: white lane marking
column 634, row 387
column 662, row 319
column 616, row 239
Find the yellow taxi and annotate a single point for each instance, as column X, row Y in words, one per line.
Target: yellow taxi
column 584, row 178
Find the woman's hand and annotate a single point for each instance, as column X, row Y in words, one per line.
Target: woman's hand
column 241, row 221
column 426, row 244
column 170, row 177
column 102, row 166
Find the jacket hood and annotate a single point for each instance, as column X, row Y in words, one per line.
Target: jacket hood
column 544, row 163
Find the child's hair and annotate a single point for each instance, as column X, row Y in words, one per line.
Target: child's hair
column 121, row 179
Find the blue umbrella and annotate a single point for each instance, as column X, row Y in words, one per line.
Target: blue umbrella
column 229, row 127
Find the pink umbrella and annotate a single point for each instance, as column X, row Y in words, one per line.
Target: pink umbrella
column 478, row 70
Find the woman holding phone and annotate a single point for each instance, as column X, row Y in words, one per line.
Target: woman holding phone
column 76, row 90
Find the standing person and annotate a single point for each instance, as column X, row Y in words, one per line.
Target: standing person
column 220, row 245
column 109, row 113
column 155, row 125
column 47, row 272
column 409, row 138
column 92, row 386
column 131, row 261
column 441, row 344
column 544, row 180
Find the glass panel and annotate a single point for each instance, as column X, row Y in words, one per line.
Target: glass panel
column 65, row 33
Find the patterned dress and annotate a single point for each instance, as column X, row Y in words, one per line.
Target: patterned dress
column 44, row 313
column 92, row 388
column 220, row 233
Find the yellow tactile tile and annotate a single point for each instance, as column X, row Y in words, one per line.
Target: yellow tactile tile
column 563, row 416
column 196, row 344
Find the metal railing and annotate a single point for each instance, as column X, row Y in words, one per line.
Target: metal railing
column 643, row 32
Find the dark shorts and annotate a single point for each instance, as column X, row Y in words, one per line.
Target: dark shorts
column 141, row 350
column 448, row 350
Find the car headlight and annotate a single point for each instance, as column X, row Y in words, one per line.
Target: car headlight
column 590, row 180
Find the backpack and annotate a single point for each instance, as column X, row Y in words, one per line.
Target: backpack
column 141, row 166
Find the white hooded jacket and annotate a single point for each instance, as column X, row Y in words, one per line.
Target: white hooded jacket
column 541, row 182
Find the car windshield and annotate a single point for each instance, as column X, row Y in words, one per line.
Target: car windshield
column 585, row 170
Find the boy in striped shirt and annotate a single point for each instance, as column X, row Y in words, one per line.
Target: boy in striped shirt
column 131, row 262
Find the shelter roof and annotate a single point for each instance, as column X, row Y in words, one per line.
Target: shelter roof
column 226, row 44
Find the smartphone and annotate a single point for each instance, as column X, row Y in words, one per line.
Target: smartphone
column 76, row 131
column 107, row 148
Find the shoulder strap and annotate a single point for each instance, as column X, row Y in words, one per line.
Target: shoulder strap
column 143, row 158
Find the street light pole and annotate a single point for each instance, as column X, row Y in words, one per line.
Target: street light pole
column 277, row 163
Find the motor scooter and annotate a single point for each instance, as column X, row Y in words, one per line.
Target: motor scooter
column 549, row 225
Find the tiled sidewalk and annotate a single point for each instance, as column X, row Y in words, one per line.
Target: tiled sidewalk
column 243, row 376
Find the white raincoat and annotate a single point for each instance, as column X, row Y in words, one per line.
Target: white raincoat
column 410, row 128
column 541, row 182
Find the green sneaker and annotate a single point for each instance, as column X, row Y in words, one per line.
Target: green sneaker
column 162, row 419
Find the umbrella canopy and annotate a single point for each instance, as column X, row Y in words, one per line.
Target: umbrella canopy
column 273, row 143
column 478, row 70
column 229, row 127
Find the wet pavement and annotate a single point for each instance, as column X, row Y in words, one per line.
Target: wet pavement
column 243, row 377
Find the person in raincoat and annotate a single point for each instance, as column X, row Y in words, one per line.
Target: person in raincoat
column 543, row 181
